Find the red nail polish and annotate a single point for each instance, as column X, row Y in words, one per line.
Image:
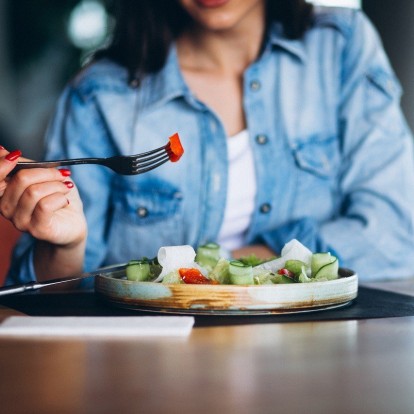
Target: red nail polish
column 65, row 172
column 68, row 201
column 69, row 184
column 12, row 156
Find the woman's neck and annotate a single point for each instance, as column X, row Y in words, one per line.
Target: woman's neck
column 225, row 51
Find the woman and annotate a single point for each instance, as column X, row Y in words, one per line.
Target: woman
column 291, row 125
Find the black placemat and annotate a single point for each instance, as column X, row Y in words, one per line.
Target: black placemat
column 370, row 303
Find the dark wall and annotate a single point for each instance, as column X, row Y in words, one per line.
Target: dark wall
column 395, row 23
column 36, row 60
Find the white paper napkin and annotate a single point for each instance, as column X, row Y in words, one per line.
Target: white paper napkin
column 85, row 326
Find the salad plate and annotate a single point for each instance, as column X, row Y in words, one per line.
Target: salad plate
column 115, row 289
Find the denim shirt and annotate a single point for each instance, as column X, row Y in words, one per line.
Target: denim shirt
column 333, row 154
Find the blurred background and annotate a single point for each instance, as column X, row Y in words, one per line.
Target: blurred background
column 42, row 45
column 44, row 42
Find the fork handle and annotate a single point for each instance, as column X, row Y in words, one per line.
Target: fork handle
column 57, row 163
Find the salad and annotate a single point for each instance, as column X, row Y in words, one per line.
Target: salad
column 184, row 265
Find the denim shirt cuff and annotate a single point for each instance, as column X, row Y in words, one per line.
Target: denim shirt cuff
column 304, row 230
column 22, row 271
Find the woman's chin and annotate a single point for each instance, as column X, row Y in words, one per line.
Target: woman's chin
column 211, row 3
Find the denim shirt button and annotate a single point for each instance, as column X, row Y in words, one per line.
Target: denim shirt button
column 255, row 85
column 142, row 212
column 265, row 208
column 261, row 139
column 134, row 83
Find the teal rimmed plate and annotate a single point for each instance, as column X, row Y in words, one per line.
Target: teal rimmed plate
column 115, row 289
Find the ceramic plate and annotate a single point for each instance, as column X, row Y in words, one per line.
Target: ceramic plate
column 227, row 299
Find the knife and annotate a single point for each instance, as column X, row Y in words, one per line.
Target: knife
column 35, row 285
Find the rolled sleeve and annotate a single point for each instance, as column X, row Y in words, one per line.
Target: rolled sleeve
column 22, row 268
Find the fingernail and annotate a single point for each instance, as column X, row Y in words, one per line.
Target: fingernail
column 65, row 172
column 68, row 184
column 12, row 156
column 68, row 201
column 1, row 147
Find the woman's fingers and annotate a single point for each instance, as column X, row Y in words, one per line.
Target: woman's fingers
column 56, row 221
column 50, row 211
column 41, row 222
column 38, row 196
column 8, row 161
column 28, row 181
column 41, row 201
column 15, row 155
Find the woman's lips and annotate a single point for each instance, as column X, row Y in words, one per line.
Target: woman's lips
column 211, row 3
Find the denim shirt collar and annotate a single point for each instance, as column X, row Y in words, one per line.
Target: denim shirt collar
column 295, row 47
column 168, row 84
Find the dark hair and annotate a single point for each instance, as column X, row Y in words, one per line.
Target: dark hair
column 145, row 29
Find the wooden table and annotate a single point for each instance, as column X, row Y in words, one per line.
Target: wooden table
column 364, row 366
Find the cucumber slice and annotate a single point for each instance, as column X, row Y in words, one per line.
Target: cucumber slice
column 138, row 270
column 320, row 260
column 240, row 274
column 329, row 271
column 208, row 255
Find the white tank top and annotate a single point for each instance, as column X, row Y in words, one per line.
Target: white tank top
column 241, row 192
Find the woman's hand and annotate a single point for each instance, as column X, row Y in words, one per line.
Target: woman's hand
column 45, row 203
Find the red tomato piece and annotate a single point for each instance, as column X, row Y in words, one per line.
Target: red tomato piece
column 286, row 272
column 176, row 148
column 193, row 276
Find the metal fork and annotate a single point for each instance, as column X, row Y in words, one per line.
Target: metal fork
column 122, row 164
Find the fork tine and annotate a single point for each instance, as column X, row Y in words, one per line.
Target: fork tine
column 142, row 165
column 151, row 158
column 151, row 166
column 154, row 151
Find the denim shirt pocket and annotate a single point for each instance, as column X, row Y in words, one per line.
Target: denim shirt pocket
column 149, row 203
column 317, row 162
column 146, row 216
column 317, row 154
